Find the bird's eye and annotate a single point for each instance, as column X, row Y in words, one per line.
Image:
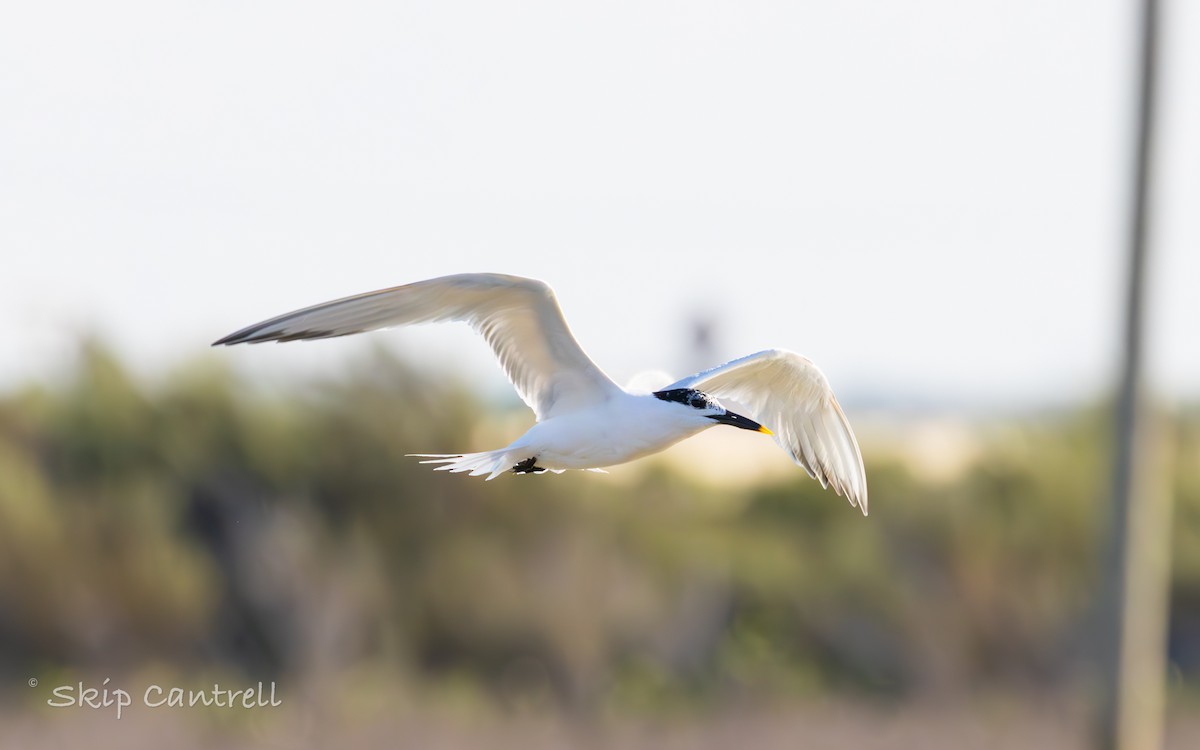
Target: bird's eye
column 687, row 397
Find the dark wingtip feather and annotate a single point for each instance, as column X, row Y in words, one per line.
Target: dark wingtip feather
column 251, row 336
column 244, row 336
column 240, row 337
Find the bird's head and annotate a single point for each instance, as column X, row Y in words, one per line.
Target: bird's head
column 709, row 407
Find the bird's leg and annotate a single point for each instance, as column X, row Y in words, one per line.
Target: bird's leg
column 528, row 466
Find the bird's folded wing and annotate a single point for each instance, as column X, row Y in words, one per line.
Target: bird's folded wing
column 788, row 394
column 520, row 318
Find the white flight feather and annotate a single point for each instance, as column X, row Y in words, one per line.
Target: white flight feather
column 520, row 319
column 788, row 394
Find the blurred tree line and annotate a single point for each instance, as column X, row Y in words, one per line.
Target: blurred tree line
column 194, row 522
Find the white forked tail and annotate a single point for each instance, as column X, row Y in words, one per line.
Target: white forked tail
column 492, row 463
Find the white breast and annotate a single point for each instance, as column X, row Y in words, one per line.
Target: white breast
column 620, row 429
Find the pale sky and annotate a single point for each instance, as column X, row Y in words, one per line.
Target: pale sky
column 927, row 198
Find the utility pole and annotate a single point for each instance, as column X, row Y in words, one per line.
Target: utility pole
column 1136, row 597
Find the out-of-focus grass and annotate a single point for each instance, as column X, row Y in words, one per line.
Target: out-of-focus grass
column 199, row 525
column 396, row 719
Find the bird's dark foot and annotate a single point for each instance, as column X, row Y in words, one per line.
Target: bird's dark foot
column 528, row 466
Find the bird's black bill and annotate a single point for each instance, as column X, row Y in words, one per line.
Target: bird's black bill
column 737, row 420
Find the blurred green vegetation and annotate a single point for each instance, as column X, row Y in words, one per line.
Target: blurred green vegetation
column 201, row 523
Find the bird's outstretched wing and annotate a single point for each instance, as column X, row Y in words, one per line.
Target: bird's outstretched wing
column 788, row 394
column 520, row 318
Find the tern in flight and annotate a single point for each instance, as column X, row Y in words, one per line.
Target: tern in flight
column 584, row 419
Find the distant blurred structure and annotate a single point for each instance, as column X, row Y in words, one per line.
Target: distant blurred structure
column 702, row 347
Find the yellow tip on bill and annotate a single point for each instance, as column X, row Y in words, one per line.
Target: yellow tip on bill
column 764, row 430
